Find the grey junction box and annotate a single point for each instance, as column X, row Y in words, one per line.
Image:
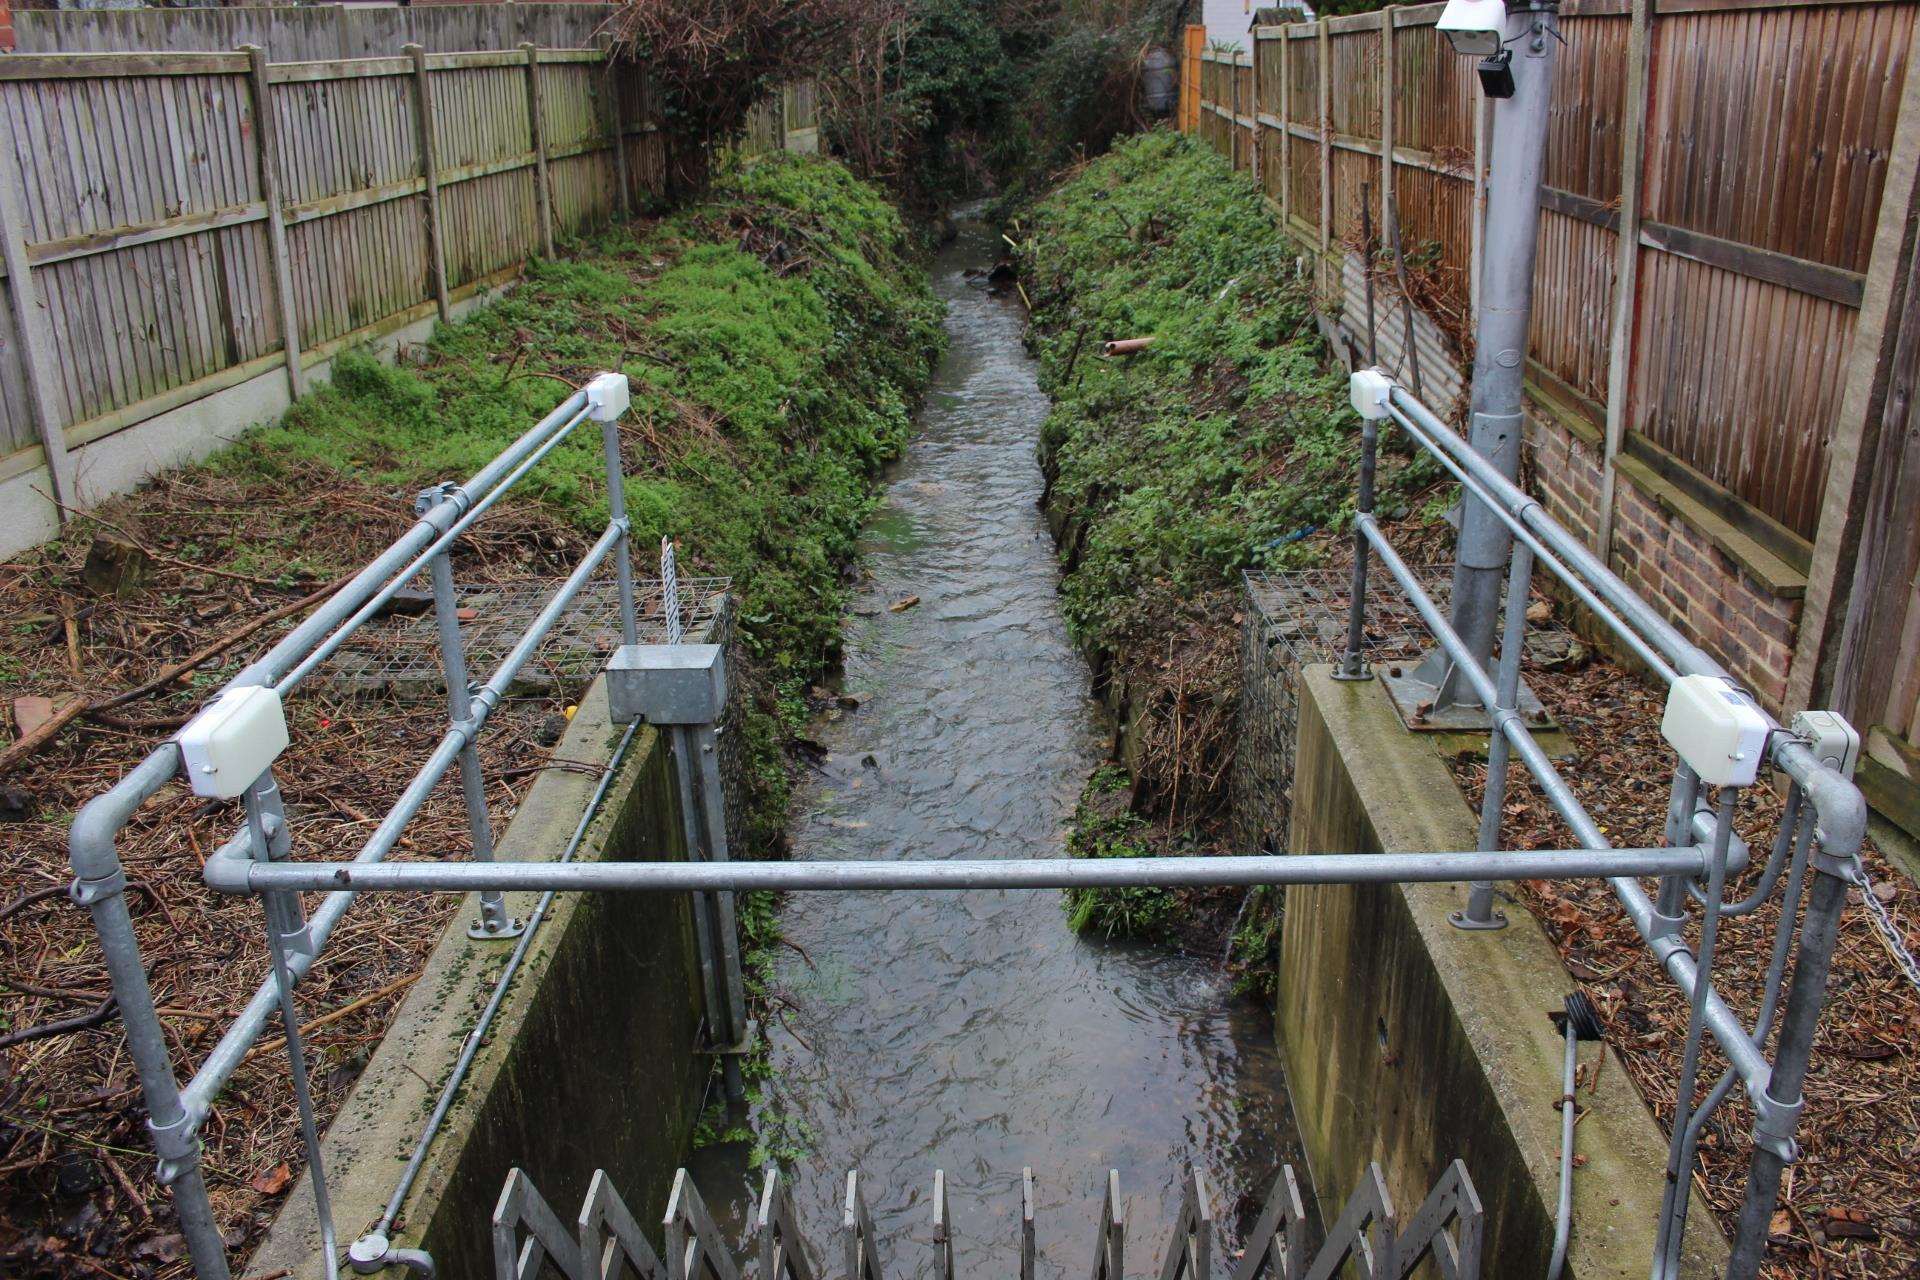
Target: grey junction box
column 667, row 683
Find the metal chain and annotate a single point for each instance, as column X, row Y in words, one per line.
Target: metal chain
column 1883, row 921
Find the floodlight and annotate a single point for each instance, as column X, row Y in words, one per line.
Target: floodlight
column 1474, row 26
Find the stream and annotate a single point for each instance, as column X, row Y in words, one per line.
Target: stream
column 975, row 1032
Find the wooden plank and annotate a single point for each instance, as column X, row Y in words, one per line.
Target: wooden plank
column 430, row 174
column 88, row 66
column 30, row 328
column 1326, row 154
column 543, row 184
column 1829, row 657
column 70, row 247
column 266, row 158
column 1286, row 129
column 1835, row 284
column 1623, row 327
column 459, row 61
column 350, row 69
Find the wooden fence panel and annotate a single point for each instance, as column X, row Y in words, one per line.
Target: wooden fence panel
column 1768, row 131
column 153, row 267
column 122, row 222
column 1771, row 128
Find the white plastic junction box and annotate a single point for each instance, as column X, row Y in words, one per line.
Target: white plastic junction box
column 1834, row 742
column 233, row 741
column 1717, row 729
column 608, row 397
column 1368, row 389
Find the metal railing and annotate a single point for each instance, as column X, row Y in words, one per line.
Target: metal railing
column 444, row 512
column 1821, row 831
column 1815, row 854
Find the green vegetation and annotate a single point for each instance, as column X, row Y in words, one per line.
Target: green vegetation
column 1104, row 827
column 1226, row 445
column 1229, row 441
column 777, row 334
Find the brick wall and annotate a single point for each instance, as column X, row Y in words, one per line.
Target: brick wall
column 6, row 24
column 1704, row 591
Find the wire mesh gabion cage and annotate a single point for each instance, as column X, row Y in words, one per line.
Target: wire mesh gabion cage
column 1299, row 617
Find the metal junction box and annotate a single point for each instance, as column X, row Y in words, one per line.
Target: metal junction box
column 667, row 683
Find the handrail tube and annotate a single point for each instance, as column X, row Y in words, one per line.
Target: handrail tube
column 1672, row 951
column 1518, row 527
column 328, row 646
column 241, row 1034
column 1686, row 656
column 984, row 873
column 278, row 660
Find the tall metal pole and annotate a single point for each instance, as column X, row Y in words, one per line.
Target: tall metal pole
column 1500, row 342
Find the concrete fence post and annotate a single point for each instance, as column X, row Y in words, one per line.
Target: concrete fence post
column 266, row 153
column 537, row 138
column 430, row 172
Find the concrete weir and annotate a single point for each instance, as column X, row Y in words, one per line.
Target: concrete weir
column 589, row 1064
column 1409, row 1042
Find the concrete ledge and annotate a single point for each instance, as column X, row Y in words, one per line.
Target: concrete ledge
column 1410, row 1042
column 589, row 1063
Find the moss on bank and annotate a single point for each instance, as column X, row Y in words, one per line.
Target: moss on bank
column 1226, row 445
column 777, row 336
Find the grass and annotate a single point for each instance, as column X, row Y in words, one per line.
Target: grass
column 1226, row 445
column 777, row 336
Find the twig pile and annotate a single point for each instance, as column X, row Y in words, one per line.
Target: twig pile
column 76, row 1173
column 1852, row 1203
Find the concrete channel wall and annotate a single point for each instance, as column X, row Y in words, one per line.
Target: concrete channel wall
column 1409, row 1042
column 589, row 1065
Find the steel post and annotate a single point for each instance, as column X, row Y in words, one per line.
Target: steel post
column 680, row 739
column 1480, row 913
column 1500, row 342
column 617, row 514
column 713, row 811
column 494, row 922
column 287, row 933
column 1353, row 665
column 100, row 885
column 1773, row 1146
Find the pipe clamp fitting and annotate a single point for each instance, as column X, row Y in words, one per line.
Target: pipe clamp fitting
column 1774, row 1123
column 177, row 1145
column 85, row 892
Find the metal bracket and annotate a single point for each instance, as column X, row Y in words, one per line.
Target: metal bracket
column 178, row 1146
column 1357, row 672
column 747, row 1044
column 85, row 892
column 1773, row 1126
column 483, row 930
column 1459, row 919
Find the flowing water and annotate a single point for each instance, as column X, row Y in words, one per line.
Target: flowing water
column 974, row 1032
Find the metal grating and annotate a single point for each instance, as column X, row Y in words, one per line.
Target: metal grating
column 401, row 656
column 1300, row 617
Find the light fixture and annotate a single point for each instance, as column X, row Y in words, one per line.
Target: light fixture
column 1474, row 26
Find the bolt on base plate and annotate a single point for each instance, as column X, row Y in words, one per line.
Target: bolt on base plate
column 1460, row 920
column 511, row 927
